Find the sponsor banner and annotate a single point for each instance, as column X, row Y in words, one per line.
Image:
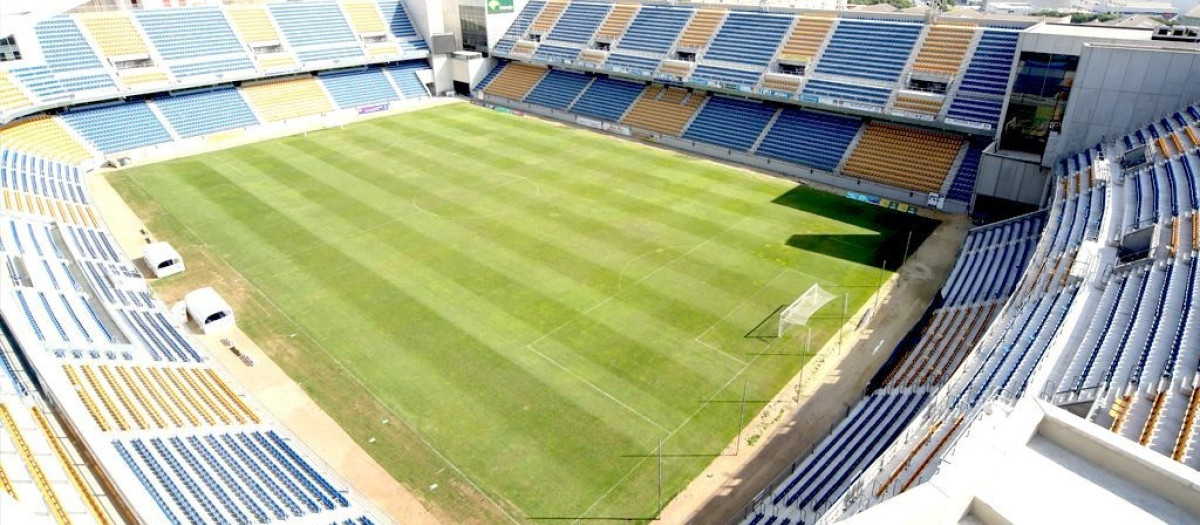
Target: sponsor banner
column 591, row 123
column 374, row 108
column 862, row 107
column 502, row 109
column 811, row 98
column 773, row 93
column 967, row 123
column 496, row 7
column 910, row 114
column 225, row 136
column 881, row 202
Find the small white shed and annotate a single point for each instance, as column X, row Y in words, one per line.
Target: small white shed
column 162, row 259
column 211, row 313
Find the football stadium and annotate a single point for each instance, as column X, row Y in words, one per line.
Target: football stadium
column 788, row 262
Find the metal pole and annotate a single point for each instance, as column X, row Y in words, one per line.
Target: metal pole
column 907, row 244
column 660, row 503
column 741, row 418
column 878, row 287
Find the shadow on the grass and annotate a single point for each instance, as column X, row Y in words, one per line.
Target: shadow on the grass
column 894, row 231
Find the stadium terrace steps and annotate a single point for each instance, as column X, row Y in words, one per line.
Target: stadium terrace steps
column 806, row 38
column 401, row 26
column 617, row 21
column 943, row 49
column 316, row 30
column 664, row 110
column 515, row 81
column 287, row 99
column 519, row 26
column 72, row 67
column 884, row 155
column 702, row 27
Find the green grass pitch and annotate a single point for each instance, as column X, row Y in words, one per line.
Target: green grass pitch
column 540, row 305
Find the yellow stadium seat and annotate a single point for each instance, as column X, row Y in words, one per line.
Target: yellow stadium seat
column 287, row 99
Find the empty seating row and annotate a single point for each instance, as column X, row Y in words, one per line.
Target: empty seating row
column 358, row 87
column 664, row 110
column 207, row 111
column 731, row 123
column 749, row 38
column 194, row 41
column 811, row 138
column 558, row 89
column 287, row 99
column 871, row 50
column 607, row 98
column 118, row 127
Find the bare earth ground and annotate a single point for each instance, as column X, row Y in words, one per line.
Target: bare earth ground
column 829, row 386
column 784, row 429
column 276, row 392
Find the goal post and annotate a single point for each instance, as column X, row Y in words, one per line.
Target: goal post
column 799, row 312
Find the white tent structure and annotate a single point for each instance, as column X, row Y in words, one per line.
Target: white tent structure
column 162, row 259
column 211, row 313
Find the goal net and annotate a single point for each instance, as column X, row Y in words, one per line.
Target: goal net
column 798, row 313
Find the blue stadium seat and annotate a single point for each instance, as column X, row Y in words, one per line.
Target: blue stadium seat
column 730, row 122
column 633, row 63
column 654, row 29
column 405, row 77
column 873, row 50
column 607, row 98
column 118, row 127
column 194, row 41
column 204, row 112
column 558, row 89
column 553, row 53
column 358, row 87
column 964, row 179
column 750, row 38
column 317, row 30
column 813, row 139
column 401, row 26
column 579, row 22
column 71, row 65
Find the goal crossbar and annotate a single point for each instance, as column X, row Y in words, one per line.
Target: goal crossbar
column 801, row 310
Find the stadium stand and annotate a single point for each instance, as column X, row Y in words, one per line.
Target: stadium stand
column 578, row 23
column 963, row 184
column 654, row 29
column 868, row 49
column 205, row 111
column 731, row 123
column 45, row 137
column 916, row 103
column 943, row 49
column 701, row 28
column 519, row 26
column 316, row 30
column 810, row 138
column 115, row 34
column 406, row 79
column 607, row 98
column 883, row 155
column 195, row 41
column 118, row 127
column 72, row 67
column 365, row 18
column 807, row 37
column 748, row 38
column 11, row 96
column 548, row 16
column 258, row 31
column 664, row 109
column 515, row 81
column 287, row 99
column 980, row 94
column 358, row 87
column 401, row 27
column 617, row 21
column 819, row 88
column 558, row 89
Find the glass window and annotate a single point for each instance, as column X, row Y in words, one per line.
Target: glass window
column 1039, row 97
